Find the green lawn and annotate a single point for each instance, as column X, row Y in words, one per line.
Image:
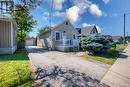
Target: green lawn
column 15, row 70
column 109, row 57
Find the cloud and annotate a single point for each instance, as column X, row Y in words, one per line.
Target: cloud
column 85, row 24
column 80, row 7
column 106, row 1
column 94, row 9
column 59, row 14
column 46, row 15
column 58, row 4
column 112, row 15
column 82, row 4
column 73, row 13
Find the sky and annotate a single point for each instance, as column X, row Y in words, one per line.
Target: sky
column 106, row 14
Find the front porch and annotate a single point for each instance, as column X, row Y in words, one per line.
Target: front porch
column 66, row 45
column 7, row 37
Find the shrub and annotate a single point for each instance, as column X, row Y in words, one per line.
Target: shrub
column 74, row 49
column 113, row 44
column 95, row 43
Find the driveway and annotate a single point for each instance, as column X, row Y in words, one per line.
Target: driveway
column 66, row 63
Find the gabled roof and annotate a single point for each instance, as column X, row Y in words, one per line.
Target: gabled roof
column 53, row 28
column 88, row 29
column 46, row 31
column 67, row 20
column 29, row 37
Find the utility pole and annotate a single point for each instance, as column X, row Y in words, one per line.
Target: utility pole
column 127, row 36
column 51, row 14
column 124, row 28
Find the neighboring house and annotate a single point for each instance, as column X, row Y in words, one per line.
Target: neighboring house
column 88, row 30
column 8, row 35
column 108, row 36
column 117, row 39
column 61, row 37
column 30, row 41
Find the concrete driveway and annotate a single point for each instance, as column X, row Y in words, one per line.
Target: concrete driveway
column 45, row 59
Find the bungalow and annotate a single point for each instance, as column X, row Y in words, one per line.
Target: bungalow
column 91, row 29
column 62, row 37
column 8, row 28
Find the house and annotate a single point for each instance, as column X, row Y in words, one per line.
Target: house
column 30, row 41
column 91, row 29
column 8, row 35
column 62, row 37
column 117, row 39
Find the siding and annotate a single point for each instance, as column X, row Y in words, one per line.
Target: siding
column 69, row 29
column 5, row 34
column 44, row 40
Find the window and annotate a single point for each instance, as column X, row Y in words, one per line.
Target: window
column 57, row 35
column 66, row 23
column 74, row 36
column 93, row 31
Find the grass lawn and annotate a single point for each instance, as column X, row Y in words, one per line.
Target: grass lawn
column 15, row 70
column 109, row 57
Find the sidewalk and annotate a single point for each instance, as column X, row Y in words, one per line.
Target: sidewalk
column 119, row 74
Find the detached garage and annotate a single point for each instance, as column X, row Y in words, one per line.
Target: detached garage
column 8, row 35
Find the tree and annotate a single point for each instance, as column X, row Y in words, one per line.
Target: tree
column 121, row 39
column 95, row 43
column 42, row 30
column 24, row 21
column 7, row 6
column 31, row 4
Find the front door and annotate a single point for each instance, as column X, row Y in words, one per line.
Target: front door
column 64, row 38
column 74, row 40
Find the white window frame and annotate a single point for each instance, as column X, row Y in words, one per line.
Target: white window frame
column 59, row 35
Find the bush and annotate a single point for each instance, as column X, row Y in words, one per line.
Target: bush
column 113, row 44
column 95, row 43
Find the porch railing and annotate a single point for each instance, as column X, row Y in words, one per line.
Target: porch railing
column 67, row 42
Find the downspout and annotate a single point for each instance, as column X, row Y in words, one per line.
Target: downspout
column 12, row 37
